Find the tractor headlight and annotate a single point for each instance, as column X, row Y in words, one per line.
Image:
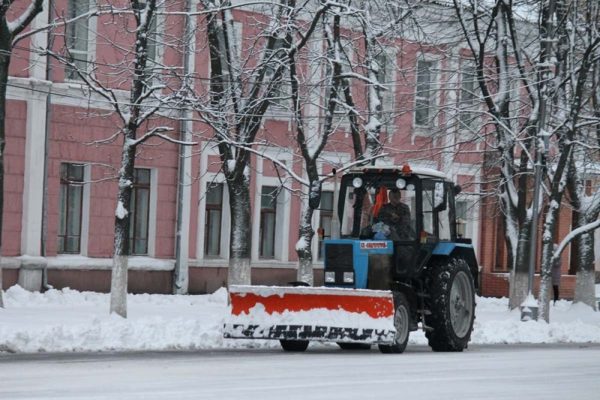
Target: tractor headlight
column 357, row 182
column 330, row 277
column 400, row 183
column 348, row 277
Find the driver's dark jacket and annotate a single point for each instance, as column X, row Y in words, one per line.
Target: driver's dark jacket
column 397, row 217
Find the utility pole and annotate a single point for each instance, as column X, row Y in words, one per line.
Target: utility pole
column 529, row 308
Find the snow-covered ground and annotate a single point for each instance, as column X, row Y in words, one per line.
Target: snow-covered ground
column 71, row 321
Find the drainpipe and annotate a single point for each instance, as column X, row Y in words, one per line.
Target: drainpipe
column 44, row 233
column 181, row 270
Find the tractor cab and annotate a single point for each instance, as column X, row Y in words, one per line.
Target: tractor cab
column 390, row 222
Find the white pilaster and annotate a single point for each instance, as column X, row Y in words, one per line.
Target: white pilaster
column 33, row 188
column 181, row 284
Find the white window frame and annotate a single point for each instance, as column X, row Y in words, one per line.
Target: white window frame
column 159, row 20
column 474, row 103
column 238, row 30
column 85, row 210
column 340, row 112
column 472, row 198
column 283, row 226
column 225, row 218
column 277, row 110
column 426, row 130
column 152, row 212
column 206, row 178
column 389, row 96
column 91, row 42
column 330, row 158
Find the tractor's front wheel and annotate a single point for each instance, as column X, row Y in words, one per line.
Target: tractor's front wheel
column 452, row 305
column 402, row 325
column 294, row 345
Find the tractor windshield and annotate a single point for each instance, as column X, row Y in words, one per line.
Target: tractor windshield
column 379, row 210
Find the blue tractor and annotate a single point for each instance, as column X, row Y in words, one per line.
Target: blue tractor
column 398, row 231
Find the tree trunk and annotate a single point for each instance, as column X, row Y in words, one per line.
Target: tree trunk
column 240, row 272
column 5, row 52
column 519, row 276
column 586, row 276
column 306, row 234
column 118, row 285
column 546, row 278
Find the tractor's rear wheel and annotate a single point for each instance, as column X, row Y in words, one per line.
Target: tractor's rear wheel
column 452, row 305
column 294, row 345
column 402, row 325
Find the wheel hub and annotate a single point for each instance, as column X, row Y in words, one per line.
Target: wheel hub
column 461, row 304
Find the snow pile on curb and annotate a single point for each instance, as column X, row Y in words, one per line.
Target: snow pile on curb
column 71, row 321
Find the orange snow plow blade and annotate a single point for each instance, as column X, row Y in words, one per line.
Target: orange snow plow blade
column 311, row 313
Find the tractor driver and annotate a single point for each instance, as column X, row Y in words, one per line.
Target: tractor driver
column 396, row 215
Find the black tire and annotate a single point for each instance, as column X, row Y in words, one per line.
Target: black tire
column 354, row 346
column 294, row 345
column 452, row 305
column 401, row 323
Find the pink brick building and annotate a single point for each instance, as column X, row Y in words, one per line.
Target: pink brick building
column 60, row 199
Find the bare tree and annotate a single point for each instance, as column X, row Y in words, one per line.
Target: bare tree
column 311, row 144
column 149, row 97
column 582, row 67
column 574, row 55
column 554, row 71
column 489, row 31
column 8, row 32
column 239, row 95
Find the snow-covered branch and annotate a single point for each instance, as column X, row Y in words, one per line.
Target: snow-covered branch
column 18, row 25
column 158, row 132
column 107, row 9
column 574, row 234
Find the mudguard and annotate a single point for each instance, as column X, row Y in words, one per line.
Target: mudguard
column 464, row 251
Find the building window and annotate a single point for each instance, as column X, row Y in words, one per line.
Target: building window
column 346, row 57
column 268, row 214
column 282, row 90
column 385, row 68
column 424, row 96
column 77, row 38
column 139, row 212
column 214, row 213
column 468, row 98
column 71, row 200
column 326, row 214
column 152, row 42
column 461, row 218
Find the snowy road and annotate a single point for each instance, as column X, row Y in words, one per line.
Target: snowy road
column 483, row 372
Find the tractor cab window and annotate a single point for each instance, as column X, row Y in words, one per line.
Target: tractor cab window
column 380, row 211
column 436, row 221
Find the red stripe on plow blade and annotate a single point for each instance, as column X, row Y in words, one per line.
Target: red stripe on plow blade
column 374, row 306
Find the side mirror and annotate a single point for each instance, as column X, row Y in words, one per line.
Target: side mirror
column 457, row 189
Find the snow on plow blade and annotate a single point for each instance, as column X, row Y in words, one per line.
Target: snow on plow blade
column 311, row 313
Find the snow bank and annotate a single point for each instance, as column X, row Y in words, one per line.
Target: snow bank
column 71, row 321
